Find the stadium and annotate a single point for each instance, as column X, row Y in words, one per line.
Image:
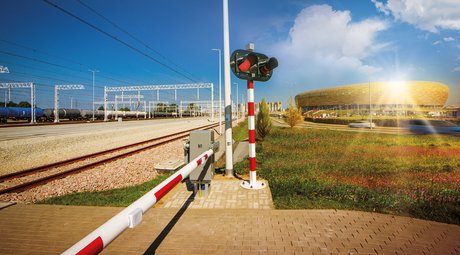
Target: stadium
column 402, row 98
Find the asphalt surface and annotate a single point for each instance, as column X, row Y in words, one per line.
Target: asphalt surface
column 15, row 133
column 381, row 130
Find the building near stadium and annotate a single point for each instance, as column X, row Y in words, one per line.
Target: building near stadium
column 382, row 98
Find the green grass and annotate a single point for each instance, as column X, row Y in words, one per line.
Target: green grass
column 407, row 175
column 116, row 197
column 240, row 132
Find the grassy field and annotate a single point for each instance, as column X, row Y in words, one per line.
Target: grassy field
column 416, row 176
column 240, row 131
column 115, row 197
column 406, row 175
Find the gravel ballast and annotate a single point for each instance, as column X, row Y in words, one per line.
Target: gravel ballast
column 124, row 172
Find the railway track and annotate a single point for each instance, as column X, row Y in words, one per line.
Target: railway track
column 27, row 179
column 66, row 122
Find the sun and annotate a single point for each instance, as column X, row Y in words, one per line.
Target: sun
column 398, row 92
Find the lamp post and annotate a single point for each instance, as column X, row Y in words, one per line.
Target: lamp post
column 370, row 105
column 220, row 88
column 93, row 71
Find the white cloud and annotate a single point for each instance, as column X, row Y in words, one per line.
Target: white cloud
column 326, row 44
column 428, row 15
column 436, row 42
column 381, row 7
column 456, row 69
column 448, row 39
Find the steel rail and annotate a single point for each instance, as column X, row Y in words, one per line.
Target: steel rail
column 43, row 180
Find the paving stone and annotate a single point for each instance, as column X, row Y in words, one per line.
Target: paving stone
column 47, row 229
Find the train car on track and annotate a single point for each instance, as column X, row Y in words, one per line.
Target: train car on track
column 18, row 113
column 71, row 114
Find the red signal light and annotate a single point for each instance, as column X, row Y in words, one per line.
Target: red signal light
column 248, row 65
column 250, row 60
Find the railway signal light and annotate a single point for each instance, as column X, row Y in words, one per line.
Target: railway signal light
column 248, row 65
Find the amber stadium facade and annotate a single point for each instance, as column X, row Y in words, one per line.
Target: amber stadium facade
column 383, row 98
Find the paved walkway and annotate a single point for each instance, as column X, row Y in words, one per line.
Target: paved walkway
column 225, row 194
column 47, row 229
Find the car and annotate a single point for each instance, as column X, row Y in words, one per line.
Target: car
column 433, row 127
column 361, row 124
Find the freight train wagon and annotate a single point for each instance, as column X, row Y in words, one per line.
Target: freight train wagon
column 17, row 113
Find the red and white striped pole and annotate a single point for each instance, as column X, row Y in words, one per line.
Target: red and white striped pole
column 131, row 216
column 252, row 183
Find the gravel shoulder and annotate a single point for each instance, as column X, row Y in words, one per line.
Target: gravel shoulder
column 128, row 171
column 21, row 154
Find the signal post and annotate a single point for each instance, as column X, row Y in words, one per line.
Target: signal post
column 252, row 66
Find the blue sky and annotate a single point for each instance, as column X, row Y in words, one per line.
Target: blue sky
column 318, row 44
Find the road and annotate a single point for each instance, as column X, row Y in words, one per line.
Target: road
column 26, row 132
column 381, row 130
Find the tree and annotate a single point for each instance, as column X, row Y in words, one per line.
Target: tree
column 11, row 104
column 101, row 108
column 126, row 109
column 172, row 108
column 293, row 114
column 161, row 107
column 264, row 124
column 24, row 104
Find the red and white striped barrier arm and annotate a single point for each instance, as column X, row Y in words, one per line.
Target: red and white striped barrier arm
column 131, row 216
column 251, row 133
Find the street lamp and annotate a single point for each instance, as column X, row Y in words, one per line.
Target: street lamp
column 220, row 85
column 93, row 71
column 370, row 105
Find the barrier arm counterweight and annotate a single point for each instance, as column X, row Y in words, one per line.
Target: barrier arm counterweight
column 131, row 216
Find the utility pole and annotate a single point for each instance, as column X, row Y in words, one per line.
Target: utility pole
column 228, row 88
column 93, row 71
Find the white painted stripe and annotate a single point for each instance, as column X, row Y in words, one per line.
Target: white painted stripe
column 250, row 95
column 251, row 123
column 252, row 177
column 252, row 150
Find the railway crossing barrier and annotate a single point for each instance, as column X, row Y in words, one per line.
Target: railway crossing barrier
column 131, row 216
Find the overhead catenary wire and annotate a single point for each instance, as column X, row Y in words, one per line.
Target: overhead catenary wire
column 58, row 65
column 118, row 40
column 39, row 60
column 133, row 37
column 45, row 53
column 62, row 58
column 58, row 80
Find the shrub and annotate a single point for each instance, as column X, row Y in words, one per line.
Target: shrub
column 264, row 124
column 293, row 114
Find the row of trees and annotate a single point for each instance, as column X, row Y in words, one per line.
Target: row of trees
column 263, row 125
column 162, row 107
column 22, row 104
